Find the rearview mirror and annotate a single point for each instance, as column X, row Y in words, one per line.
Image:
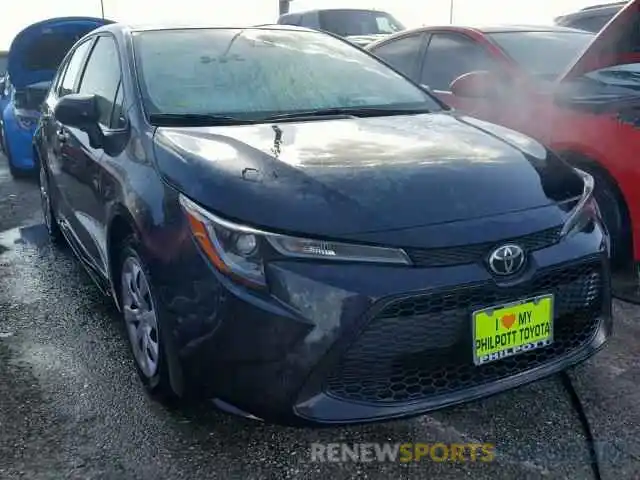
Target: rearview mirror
column 81, row 111
column 479, row 84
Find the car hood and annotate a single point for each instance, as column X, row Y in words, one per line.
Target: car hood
column 615, row 44
column 35, row 53
column 349, row 176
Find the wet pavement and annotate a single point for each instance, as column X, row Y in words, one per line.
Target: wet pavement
column 71, row 405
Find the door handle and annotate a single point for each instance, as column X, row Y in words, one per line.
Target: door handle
column 62, row 136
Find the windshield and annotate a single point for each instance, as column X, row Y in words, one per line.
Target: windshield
column 254, row 73
column 543, row 54
column 358, row 22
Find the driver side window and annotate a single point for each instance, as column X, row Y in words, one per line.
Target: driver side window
column 450, row 56
column 402, row 54
column 102, row 78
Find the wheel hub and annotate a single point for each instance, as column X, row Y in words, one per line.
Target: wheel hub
column 140, row 317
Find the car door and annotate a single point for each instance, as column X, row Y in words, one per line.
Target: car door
column 102, row 79
column 449, row 55
column 59, row 151
column 595, row 112
column 403, row 53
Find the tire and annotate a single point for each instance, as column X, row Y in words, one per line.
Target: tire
column 48, row 213
column 142, row 316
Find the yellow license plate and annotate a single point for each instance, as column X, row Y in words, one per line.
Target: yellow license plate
column 507, row 330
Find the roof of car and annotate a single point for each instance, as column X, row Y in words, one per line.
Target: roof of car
column 332, row 10
column 479, row 29
column 593, row 11
column 525, row 28
column 498, row 28
column 190, row 26
column 604, row 5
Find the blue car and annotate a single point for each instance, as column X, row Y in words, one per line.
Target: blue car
column 32, row 61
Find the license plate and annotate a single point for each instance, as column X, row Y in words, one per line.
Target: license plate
column 506, row 330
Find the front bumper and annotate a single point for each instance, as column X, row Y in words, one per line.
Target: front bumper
column 357, row 343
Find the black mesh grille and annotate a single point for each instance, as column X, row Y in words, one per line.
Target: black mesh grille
column 440, row 257
column 422, row 346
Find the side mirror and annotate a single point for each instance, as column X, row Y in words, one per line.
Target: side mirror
column 81, row 111
column 77, row 110
column 479, row 84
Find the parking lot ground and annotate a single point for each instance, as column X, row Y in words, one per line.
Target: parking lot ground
column 72, row 407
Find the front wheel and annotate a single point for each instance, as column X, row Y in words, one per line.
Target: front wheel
column 142, row 321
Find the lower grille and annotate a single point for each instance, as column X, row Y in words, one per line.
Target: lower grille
column 421, row 346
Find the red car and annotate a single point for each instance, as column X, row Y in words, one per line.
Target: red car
column 577, row 93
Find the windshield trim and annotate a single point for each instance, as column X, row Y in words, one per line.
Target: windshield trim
column 138, row 74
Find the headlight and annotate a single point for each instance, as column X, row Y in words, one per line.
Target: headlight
column 306, row 248
column 237, row 250
column 586, row 211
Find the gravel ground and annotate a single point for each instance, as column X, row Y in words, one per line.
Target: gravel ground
column 72, row 407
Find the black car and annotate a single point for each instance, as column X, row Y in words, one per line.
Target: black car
column 359, row 26
column 592, row 18
column 293, row 228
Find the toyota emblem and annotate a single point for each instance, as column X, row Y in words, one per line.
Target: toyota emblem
column 507, row 259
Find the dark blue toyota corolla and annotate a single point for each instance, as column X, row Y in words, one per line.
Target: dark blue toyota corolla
column 291, row 227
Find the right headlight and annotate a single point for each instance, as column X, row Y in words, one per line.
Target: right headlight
column 585, row 211
column 238, row 250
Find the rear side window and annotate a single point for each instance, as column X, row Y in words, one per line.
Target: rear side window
column 74, row 67
column 102, row 77
column 403, row 53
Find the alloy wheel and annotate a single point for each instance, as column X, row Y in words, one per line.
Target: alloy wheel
column 140, row 317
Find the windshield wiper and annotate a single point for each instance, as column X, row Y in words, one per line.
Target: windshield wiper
column 203, row 120
column 195, row 120
column 347, row 112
